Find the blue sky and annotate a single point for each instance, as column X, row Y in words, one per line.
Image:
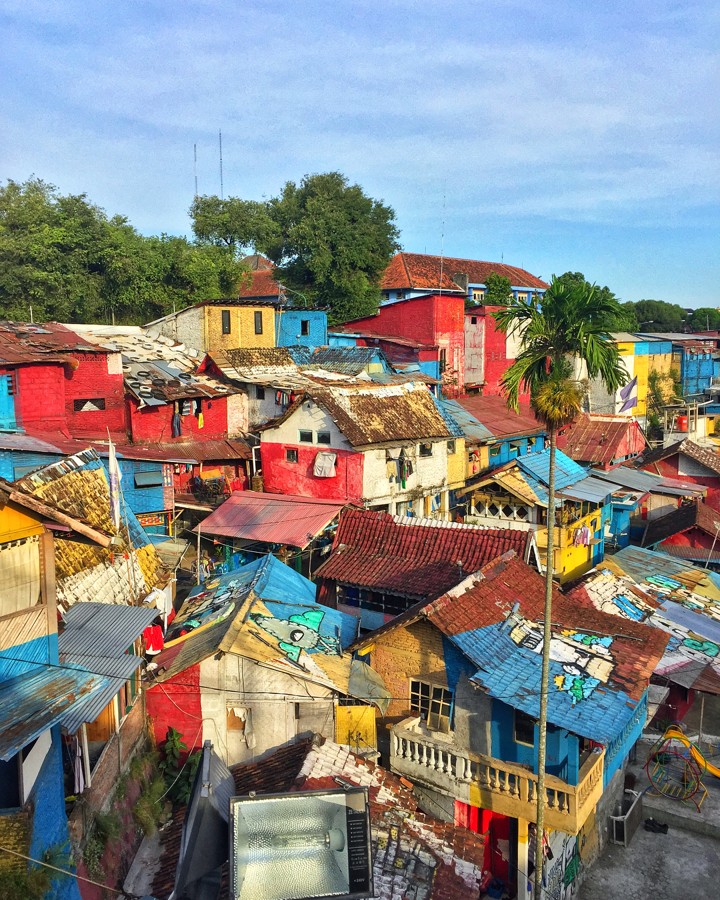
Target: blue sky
column 557, row 136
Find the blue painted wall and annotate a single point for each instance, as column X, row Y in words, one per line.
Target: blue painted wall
column 502, row 452
column 49, row 823
column 337, row 339
column 620, row 524
column 28, row 656
column 617, row 751
column 288, row 328
column 696, row 372
column 563, row 748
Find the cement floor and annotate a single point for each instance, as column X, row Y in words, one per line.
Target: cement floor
column 679, row 865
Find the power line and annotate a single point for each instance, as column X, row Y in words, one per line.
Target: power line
column 46, row 865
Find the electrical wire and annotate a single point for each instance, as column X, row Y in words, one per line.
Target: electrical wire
column 46, row 865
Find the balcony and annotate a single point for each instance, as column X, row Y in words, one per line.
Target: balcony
column 434, row 761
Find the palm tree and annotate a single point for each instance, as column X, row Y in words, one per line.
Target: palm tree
column 565, row 329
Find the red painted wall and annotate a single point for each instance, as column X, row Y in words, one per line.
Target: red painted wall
column 154, row 423
column 283, row 477
column 497, row 361
column 90, row 380
column 46, row 394
column 176, row 704
column 668, row 468
column 40, row 399
column 694, row 537
column 433, row 319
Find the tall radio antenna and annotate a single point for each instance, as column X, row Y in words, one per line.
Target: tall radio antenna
column 442, row 244
column 195, row 168
column 222, row 195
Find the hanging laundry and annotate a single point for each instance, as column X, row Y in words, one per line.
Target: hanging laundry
column 198, row 407
column 324, row 464
column 154, row 639
column 201, row 420
column 186, row 408
column 176, row 425
column 391, row 469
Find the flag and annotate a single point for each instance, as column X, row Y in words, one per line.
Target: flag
column 628, row 389
column 115, row 479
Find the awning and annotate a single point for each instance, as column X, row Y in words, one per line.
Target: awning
column 271, row 518
column 366, row 684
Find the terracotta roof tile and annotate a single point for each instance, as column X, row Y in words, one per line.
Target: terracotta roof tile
column 704, row 455
column 419, row 271
column 376, row 551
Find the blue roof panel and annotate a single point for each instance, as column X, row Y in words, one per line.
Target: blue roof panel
column 537, row 465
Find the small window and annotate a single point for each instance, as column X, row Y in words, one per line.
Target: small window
column 306, row 437
column 94, row 405
column 451, row 448
column 259, row 393
column 323, row 437
column 433, row 703
column 495, row 451
column 304, row 327
column 258, row 322
column 473, row 320
column 291, row 455
column 524, row 728
column 225, row 314
column 426, row 450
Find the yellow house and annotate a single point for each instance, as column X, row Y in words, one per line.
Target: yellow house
column 227, row 324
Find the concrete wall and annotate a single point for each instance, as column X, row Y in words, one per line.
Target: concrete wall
column 271, row 701
column 430, row 474
column 154, row 423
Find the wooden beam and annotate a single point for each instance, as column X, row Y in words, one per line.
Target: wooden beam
column 97, row 537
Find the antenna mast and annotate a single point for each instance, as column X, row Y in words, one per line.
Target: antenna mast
column 442, row 245
column 195, row 168
column 222, row 194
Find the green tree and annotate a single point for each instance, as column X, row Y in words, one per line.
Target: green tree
column 498, row 290
column 570, row 325
column 62, row 258
column 329, row 240
column 622, row 320
column 706, row 318
column 657, row 315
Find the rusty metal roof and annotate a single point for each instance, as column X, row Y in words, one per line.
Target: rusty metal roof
column 271, row 518
column 22, row 342
column 188, row 451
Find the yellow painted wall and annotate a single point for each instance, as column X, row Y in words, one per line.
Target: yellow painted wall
column 242, row 327
column 456, row 464
column 16, row 524
column 570, row 561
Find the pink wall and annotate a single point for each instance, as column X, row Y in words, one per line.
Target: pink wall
column 283, row 477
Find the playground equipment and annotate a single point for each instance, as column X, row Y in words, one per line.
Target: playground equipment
column 675, row 766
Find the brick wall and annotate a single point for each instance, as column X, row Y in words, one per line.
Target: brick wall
column 412, row 652
column 40, row 398
column 97, row 376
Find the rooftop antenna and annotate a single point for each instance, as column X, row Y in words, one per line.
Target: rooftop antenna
column 442, row 244
column 222, row 195
column 195, row 168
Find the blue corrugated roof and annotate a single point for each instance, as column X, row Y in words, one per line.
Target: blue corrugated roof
column 472, row 428
column 35, row 701
column 512, row 674
column 447, row 417
column 567, row 471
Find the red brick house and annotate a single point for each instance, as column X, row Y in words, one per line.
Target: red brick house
column 54, row 382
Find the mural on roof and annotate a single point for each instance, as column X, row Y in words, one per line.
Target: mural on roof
column 214, row 603
column 586, row 659
column 299, row 632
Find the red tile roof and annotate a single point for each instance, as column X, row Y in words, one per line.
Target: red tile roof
column 374, row 550
column 706, row 456
column 260, row 285
column 494, row 414
column 599, row 439
column 418, row 271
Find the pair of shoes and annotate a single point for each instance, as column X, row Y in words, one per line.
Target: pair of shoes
column 656, row 827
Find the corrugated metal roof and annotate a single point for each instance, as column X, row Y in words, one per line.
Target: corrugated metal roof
column 100, row 629
column 475, row 432
column 591, row 489
column 23, row 342
column 647, row 483
column 648, row 565
column 567, row 471
column 501, row 421
column 115, row 671
column 271, row 518
column 33, row 702
column 602, row 439
column 15, row 441
column 189, row 451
